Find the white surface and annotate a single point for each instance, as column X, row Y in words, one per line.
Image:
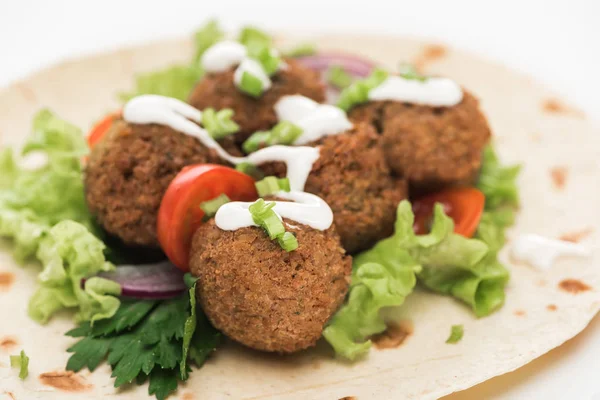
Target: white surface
column 558, row 42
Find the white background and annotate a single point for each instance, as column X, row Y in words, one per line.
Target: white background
column 557, row 42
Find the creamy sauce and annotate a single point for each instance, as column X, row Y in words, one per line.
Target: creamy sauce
column 253, row 68
column 306, row 209
column 316, row 120
column 223, row 56
column 541, row 252
column 154, row 109
column 435, row 92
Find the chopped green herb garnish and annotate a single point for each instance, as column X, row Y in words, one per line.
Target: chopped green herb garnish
column 358, row 92
column 22, row 362
column 284, row 133
column 456, row 334
column 147, row 339
column 251, row 170
column 265, row 217
column 338, row 77
column 268, row 57
column 302, row 50
column 219, row 123
column 271, row 185
column 251, row 85
column 408, row 71
column 288, row 241
column 211, row 207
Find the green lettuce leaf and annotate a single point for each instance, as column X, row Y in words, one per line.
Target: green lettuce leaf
column 498, row 183
column 175, row 81
column 44, row 214
column 70, row 253
column 33, row 200
column 178, row 80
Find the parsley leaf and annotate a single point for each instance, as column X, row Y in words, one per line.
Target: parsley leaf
column 147, row 340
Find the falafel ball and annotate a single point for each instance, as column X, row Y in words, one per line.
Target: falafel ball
column 432, row 147
column 259, row 295
column 128, row 173
column 351, row 175
column 255, row 114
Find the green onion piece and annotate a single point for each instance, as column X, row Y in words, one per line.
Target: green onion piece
column 210, row 207
column 219, row 124
column 251, row 85
column 22, row 362
column 408, row 71
column 256, row 141
column 358, row 92
column 271, row 185
column 264, row 216
column 251, row 170
column 288, row 241
column 189, row 279
column 266, row 56
column 338, row 77
column 456, row 334
column 284, row 133
column 251, row 35
column 303, row 49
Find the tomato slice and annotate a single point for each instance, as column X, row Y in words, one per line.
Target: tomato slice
column 463, row 205
column 180, row 215
column 100, row 129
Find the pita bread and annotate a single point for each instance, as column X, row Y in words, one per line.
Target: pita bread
column 531, row 127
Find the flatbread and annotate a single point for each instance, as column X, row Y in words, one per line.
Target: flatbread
column 530, row 125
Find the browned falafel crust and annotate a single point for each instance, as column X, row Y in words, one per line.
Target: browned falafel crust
column 256, row 114
column 432, row 147
column 259, row 295
column 351, row 175
column 128, row 173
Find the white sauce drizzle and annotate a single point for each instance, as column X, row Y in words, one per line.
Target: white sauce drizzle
column 253, row 68
column 541, row 252
column 306, row 209
column 436, row 92
column 154, row 109
column 223, row 56
column 316, row 120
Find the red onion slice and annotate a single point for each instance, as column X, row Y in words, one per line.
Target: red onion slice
column 354, row 65
column 148, row 281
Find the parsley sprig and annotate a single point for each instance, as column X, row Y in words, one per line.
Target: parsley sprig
column 147, row 340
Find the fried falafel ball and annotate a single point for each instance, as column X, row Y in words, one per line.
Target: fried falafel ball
column 218, row 91
column 432, row 147
column 351, row 175
column 259, row 295
column 128, row 173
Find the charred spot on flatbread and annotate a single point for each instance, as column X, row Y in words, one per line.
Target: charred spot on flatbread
column 393, row 336
column 6, row 280
column 559, row 176
column 67, row 381
column 573, row 286
column 8, row 343
column 576, row 236
column 429, row 54
column 555, row 106
column 551, row 307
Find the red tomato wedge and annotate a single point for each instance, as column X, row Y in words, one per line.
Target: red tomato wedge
column 180, row 215
column 463, row 205
column 100, row 129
